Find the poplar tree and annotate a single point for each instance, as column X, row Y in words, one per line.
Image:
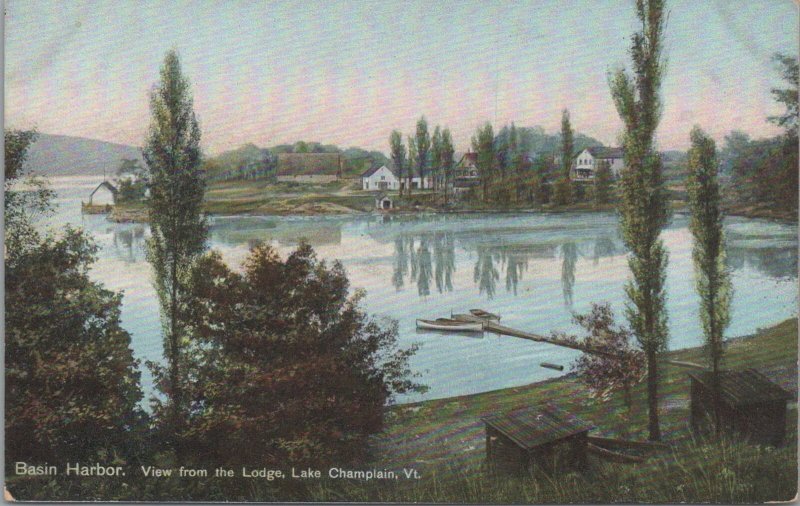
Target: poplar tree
column 447, row 153
column 562, row 191
column 412, row 161
column 178, row 228
column 436, row 154
column 711, row 275
column 423, row 146
column 483, row 145
column 643, row 206
column 398, row 154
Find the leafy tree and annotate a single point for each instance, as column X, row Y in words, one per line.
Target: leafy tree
column 301, row 147
column 790, row 72
column 436, row 155
column 398, row 154
column 643, row 206
column 712, row 276
column 602, row 182
column 620, row 367
column 72, row 384
column 21, row 207
column 447, row 151
column 130, row 167
column 567, row 145
column 562, row 189
column 483, row 145
column 297, row 373
column 412, row 161
column 178, row 229
column 543, row 167
column 423, row 146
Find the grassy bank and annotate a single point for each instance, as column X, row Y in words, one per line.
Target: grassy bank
column 444, row 441
column 262, row 197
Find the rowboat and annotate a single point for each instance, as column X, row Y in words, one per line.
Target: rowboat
column 486, row 315
column 468, row 318
column 451, row 325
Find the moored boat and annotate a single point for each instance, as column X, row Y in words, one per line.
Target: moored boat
column 485, row 315
column 451, row 325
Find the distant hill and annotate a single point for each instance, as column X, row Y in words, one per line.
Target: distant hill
column 62, row 155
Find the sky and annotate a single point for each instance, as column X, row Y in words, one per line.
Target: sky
column 349, row 72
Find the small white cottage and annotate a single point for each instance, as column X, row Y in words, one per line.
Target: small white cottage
column 379, row 178
column 103, row 195
column 383, row 202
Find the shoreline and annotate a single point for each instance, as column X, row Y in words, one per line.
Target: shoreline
column 139, row 215
column 571, row 375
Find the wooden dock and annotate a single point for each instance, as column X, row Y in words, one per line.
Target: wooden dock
column 493, row 326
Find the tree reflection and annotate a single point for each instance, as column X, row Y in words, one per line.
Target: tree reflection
column 777, row 263
column 424, row 271
column 400, row 263
column 485, row 274
column 131, row 241
column 445, row 259
column 569, row 253
column 515, row 264
column 604, row 247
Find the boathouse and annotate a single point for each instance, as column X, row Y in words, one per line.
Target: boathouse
column 750, row 405
column 383, row 202
column 105, row 194
column 545, row 437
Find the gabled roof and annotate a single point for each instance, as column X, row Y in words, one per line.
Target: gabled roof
column 603, row 152
column 107, row 185
column 469, row 157
column 739, row 388
column 532, row 427
column 373, row 170
column 309, row 164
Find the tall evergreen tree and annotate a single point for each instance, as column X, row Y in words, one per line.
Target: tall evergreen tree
column 643, row 206
column 711, row 275
column 562, row 189
column 178, row 227
column 398, row 154
column 483, row 145
column 567, row 144
column 423, row 146
column 412, row 161
column 436, row 155
column 447, row 153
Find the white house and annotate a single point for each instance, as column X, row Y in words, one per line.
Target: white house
column 103, row 195
column 588, row 160
column 379, row 178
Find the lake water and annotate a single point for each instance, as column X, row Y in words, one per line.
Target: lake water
column 533, row 269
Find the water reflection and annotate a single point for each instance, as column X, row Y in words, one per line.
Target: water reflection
column 569, row 253
column 485, row 274
column 129, row 243
column 775, row 262
column 286, row 232
column 604, row 246
column 422, row 259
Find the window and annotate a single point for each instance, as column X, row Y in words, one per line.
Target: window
column 383, row 178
